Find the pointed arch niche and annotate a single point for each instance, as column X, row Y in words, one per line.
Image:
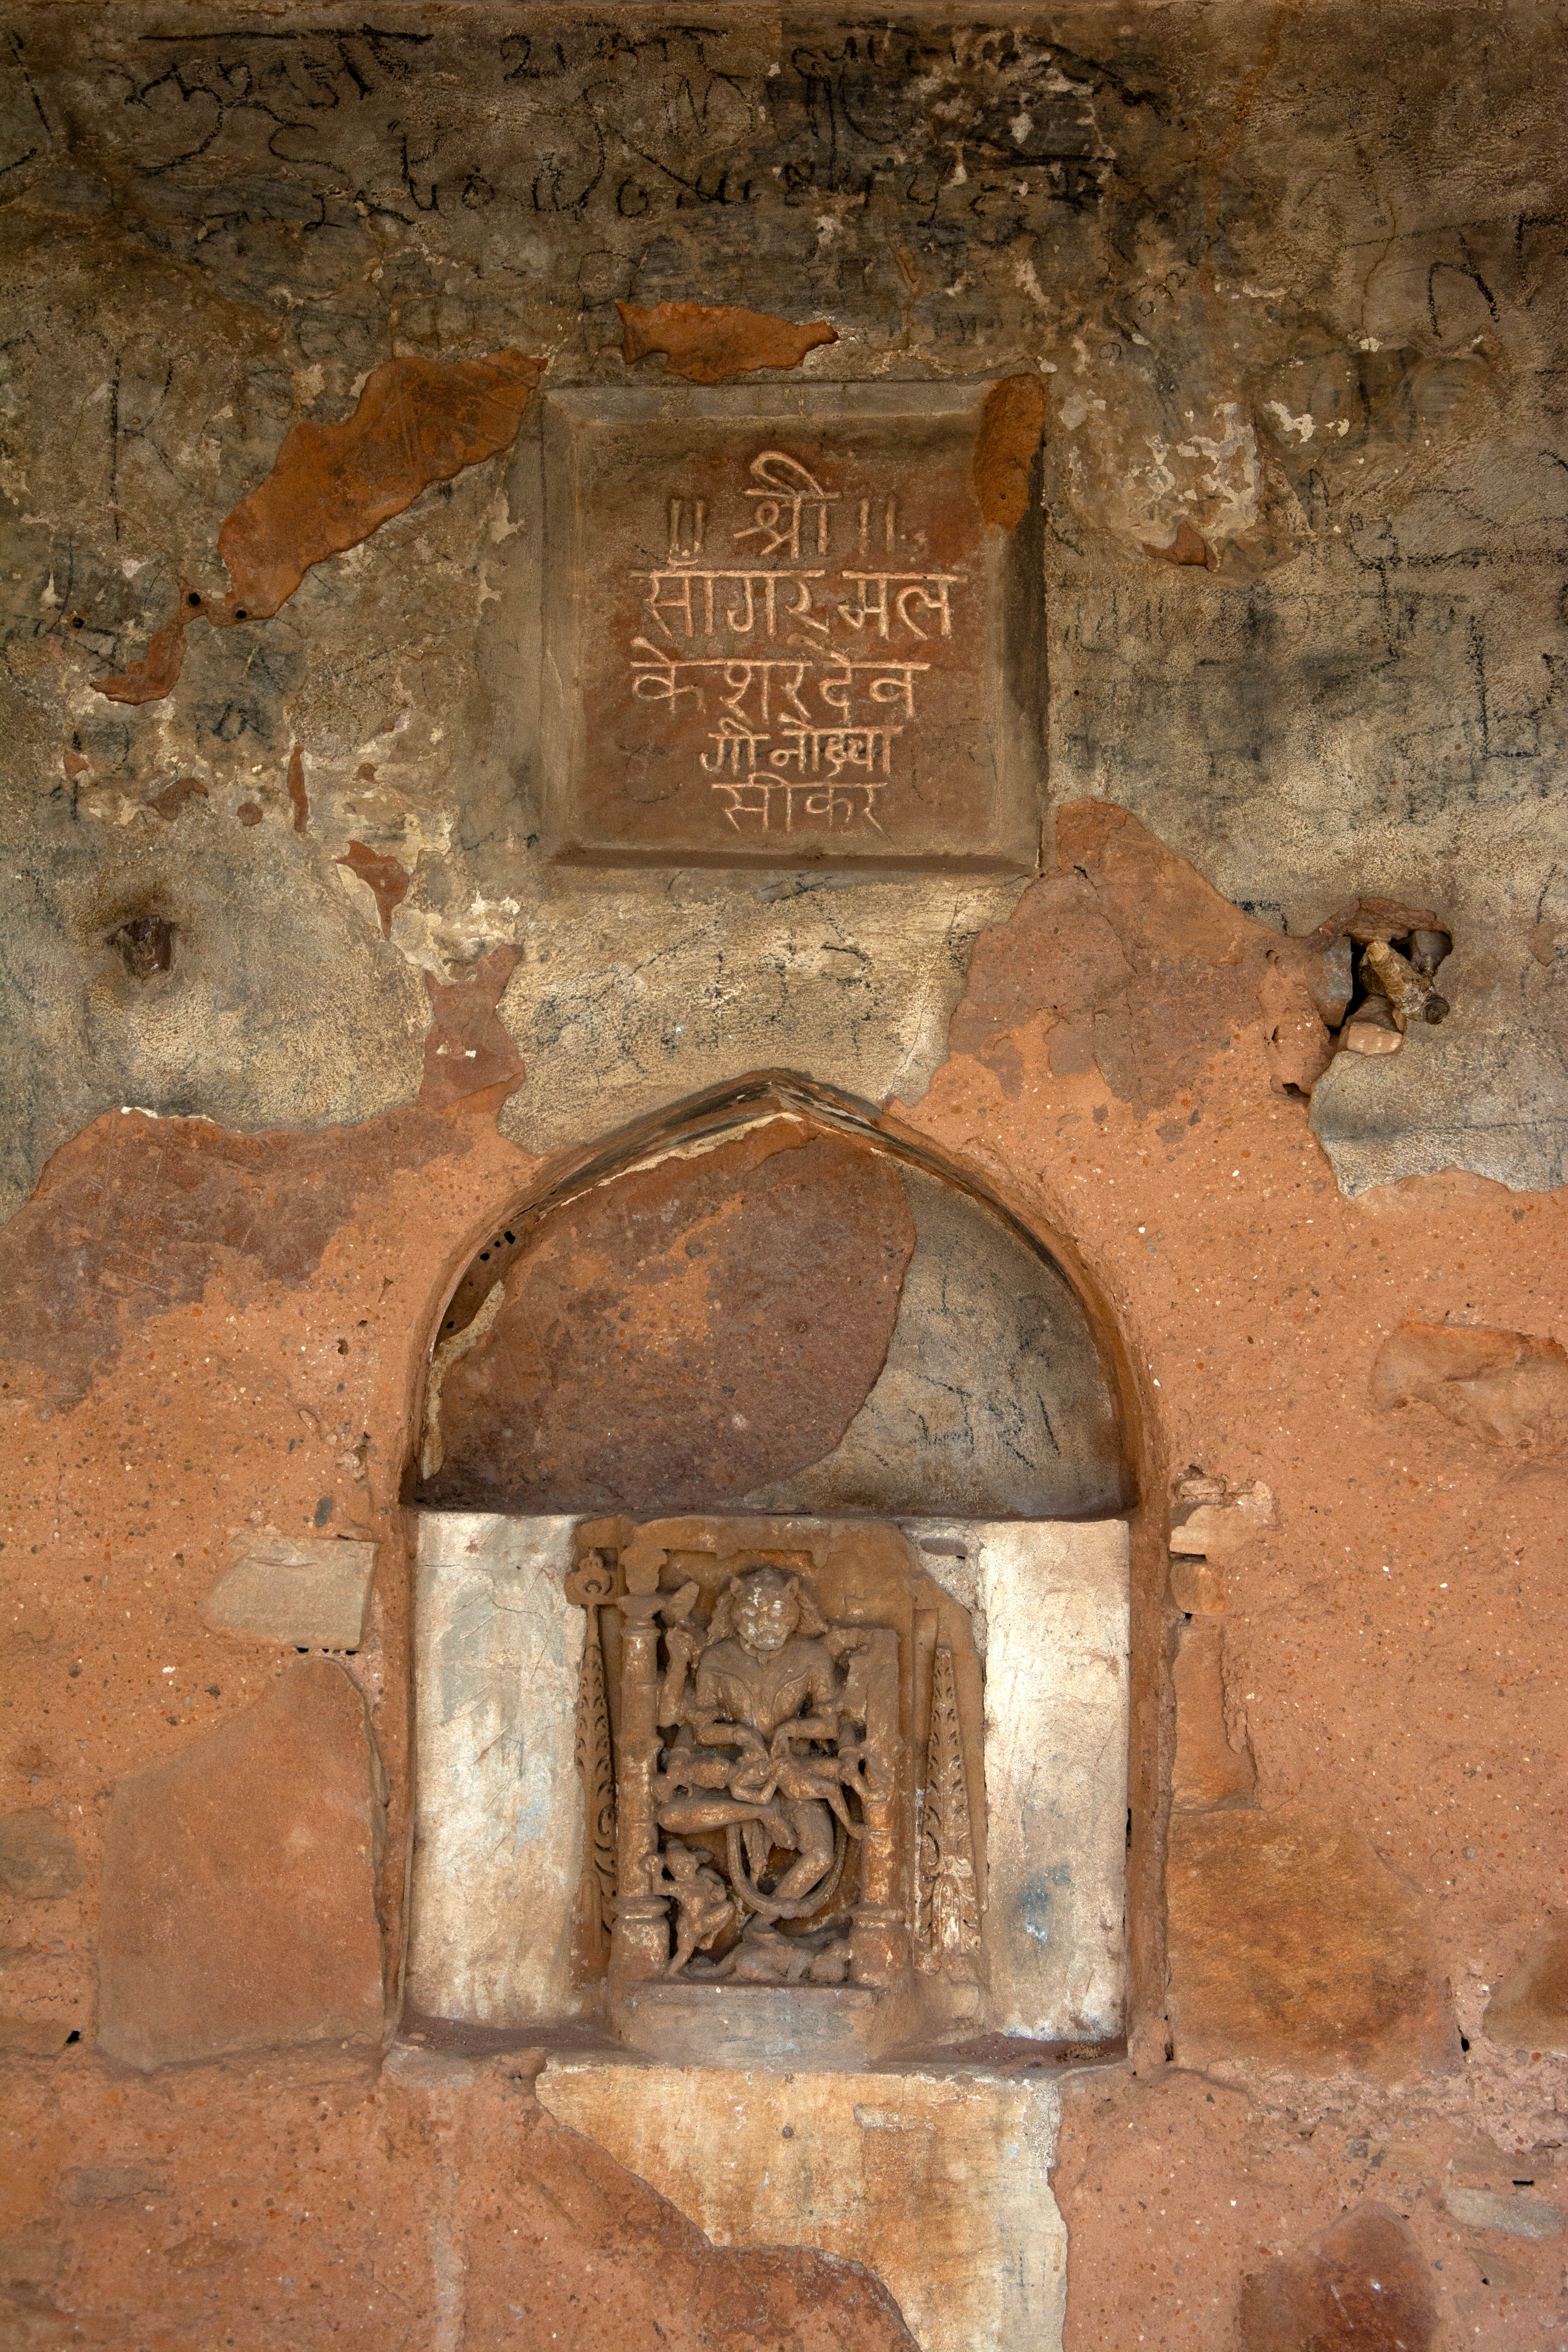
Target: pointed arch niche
column 771, row 1613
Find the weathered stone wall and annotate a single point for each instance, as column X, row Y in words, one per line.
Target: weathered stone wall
column 297, row 1009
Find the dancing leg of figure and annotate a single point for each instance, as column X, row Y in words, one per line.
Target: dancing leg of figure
column 811, row 1824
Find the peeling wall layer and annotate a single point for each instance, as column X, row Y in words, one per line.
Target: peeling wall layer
column 1279, row 296
column 1314, row 372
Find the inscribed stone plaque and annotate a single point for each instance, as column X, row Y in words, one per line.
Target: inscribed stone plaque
column 778, row 633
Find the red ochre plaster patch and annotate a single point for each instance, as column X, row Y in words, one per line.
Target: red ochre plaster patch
column 705, row 344
column 1143, row 969
column 257, row 1352
column 1382, row 1638
column 330, row 486
column 136, row 1215
column 1011, row 423
column 683, row 1334
column 468, row 1050
column 292, row 2200
column 385, row 878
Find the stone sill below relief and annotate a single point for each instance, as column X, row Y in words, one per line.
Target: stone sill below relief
column 939, row 2185
column 500, row 1845
column 989, row 2058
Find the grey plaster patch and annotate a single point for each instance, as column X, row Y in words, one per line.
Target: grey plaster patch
column 1056, row 1700
column 311, row 1594
column 993, row 1399
column 1488, row 1097
column 630, row 995
column 281, row 1007
column 1348, row 397
column 498, row 1832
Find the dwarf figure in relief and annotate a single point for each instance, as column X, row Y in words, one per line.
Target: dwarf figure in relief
column 703, row 1904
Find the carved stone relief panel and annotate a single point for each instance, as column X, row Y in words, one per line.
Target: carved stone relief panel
column 759, row 1701
column 778, row 631
column 772, row 1791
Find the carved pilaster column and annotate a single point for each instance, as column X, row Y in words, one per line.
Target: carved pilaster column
column 879, row 1933
column 640, row 1944
column 592, row 1583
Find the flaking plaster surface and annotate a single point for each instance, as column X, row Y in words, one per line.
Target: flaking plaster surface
column 1338, row 381
column 1292, row 287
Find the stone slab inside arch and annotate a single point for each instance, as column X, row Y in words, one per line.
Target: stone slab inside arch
column 785, row 1316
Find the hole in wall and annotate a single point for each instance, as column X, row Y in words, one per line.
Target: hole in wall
column 1393, row 988
column 144, row 945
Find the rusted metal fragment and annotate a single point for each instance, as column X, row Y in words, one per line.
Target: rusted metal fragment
column 683, row 1334
column 385, row 878
column 173, row 798
column 1187, row 547
column 707, row 344
column 132, row 1194
column 297, row 799
column 468, row 1049
column 157, row 672
column 417, row 422
column 1010, row 429
column 1143, row 968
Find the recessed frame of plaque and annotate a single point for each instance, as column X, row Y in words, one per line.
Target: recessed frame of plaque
column 778, row 633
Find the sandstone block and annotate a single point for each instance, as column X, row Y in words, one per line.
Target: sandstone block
column 1292, row 1941
column 34, row 2037
column 38, row 1860
column 940, row 2186
column 1216, row 1530
column 238, row 1885
column 1529, row 2009
column 1362, row 2286
column 495, row 1786
column 1508, row 1388
column 1056, row 1783
column 1197, row 1584
column 1515, row 2216
column 105, row 2184
column 311, row 1594
column 561, row 2246
column 1207, row 1767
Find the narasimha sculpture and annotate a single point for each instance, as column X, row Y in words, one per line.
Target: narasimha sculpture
column 746, row 1760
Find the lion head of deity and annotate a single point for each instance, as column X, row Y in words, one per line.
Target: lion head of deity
column 762, row 1608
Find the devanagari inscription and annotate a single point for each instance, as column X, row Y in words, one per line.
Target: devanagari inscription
column 776, row 653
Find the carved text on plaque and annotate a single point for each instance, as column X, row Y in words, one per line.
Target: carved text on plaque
column 793, row 675
column 781, row 637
